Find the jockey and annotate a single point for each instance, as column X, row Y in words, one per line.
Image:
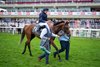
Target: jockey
column 42, row 18
column 43, row 15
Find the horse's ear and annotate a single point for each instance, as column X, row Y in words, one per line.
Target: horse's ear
column 67, row 21
column 62, row 21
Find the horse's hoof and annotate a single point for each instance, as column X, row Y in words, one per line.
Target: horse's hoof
column 54, row 55
column 39, row 59
column 47, row 62
column 23, row 53
column 31, row 55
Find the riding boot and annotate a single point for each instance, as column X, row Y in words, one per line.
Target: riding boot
column 37, row 27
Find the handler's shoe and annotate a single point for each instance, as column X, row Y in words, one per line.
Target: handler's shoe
column 39, row 59
column 44, row 49
column 47, row 62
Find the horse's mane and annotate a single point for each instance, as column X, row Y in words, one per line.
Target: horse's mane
column 58, row 23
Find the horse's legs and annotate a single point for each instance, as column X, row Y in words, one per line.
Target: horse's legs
column 29, row 49
column 32, row 36
column 53, row 44
column 27, row 44
column 24, row 48
column 57, row 51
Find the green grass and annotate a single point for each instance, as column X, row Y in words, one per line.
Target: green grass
column 84, row 52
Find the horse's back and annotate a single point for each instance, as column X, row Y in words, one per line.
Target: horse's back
column 28, row 28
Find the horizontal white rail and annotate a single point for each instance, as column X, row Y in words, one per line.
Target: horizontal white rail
column 77, row 32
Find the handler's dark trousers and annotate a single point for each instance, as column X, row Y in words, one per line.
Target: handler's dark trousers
column 65, row 45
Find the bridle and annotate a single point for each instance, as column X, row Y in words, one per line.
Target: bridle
column 63, row 28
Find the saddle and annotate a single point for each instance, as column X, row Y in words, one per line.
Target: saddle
column 37, row 29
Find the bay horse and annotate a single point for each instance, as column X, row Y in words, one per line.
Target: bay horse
column 27, row 30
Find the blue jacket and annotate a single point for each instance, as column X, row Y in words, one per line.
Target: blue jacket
column 42, row 17
column 64, row 38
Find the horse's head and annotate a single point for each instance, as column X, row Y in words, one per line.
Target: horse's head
column 62, row 25
column 66, row 27
column 58, row 26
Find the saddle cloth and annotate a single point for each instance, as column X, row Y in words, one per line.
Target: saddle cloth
column 37, row 29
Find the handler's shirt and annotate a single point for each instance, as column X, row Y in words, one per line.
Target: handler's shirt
column 44, row 31
column 63, row 36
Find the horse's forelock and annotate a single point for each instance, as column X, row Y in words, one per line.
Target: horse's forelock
column 67, row 22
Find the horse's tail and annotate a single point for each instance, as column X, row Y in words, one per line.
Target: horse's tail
column 22, row 35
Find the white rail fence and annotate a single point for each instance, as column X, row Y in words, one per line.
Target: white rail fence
column 12, row 30
column 76, row 32
column 85, row 32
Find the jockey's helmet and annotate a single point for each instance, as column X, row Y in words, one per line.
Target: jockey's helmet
column 45, row 9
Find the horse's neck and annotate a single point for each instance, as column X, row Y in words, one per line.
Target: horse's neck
column 57, row 28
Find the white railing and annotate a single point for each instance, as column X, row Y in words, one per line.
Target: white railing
column 50, row 13
column 76, row 32
column 12, row 30
column 79, row 32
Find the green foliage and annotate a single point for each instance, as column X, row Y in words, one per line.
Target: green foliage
column 84, row 52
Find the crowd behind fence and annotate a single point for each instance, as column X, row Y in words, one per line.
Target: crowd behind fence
column 78, row 27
